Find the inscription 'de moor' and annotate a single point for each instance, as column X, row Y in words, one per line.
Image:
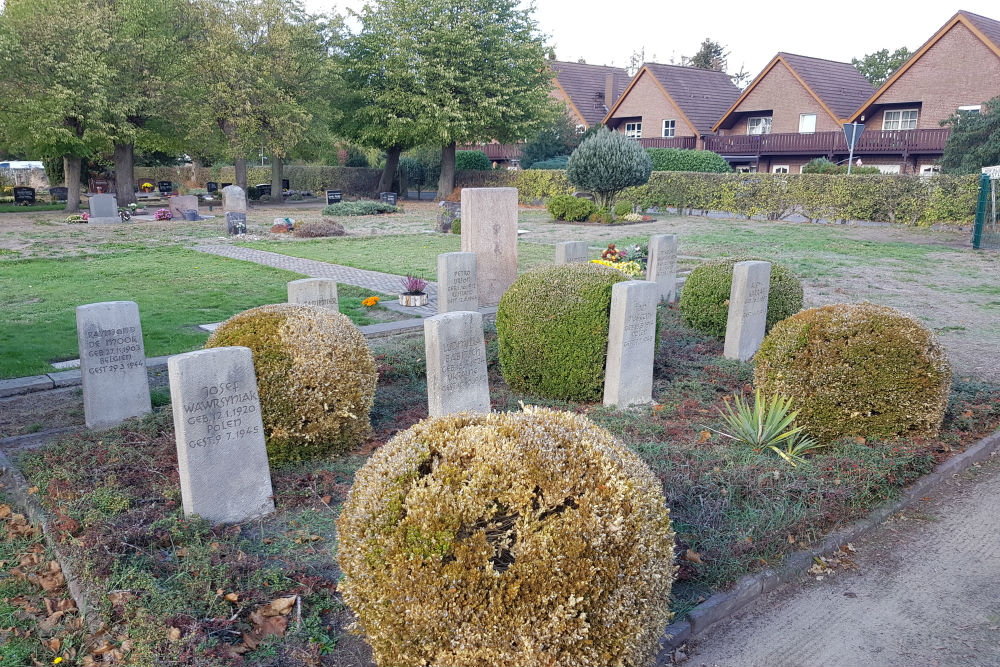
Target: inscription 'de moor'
column 221, row 408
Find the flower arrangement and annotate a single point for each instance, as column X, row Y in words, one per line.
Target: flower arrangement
column 613, row 254
column 162, row 214
column 630, row 268
column 85, row 216
column 413, row 285
column 146, row 187
column 370, row 302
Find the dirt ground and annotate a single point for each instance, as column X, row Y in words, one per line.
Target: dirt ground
column 925, row 592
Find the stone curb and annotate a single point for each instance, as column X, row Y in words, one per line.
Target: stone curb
column 721, row 605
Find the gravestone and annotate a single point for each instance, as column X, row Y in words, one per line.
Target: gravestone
column 263, row 189
column 489, row 229
column 59, row 193
column 334, row 196
column 221, row 455
column 314, row 292
column 661, row 267
column 456, row 364
column 224, row 185
column 211, row 186
column 628, row 379
column 285, row 185
column 457, row 282
column 99, row 185
column 165, row 187
column 178, row 204
column 112, row 363
column 24, row 195
column 388, row 197
column 234, row 199
column 571, row 252
column 236, row 223
column 747, row 320
column 103, row 210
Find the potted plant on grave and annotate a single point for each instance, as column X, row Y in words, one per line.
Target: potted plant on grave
column 413, row 291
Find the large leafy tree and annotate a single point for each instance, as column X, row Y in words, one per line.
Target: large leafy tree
column 878, row 67
column 558, row 137
column 974, row 141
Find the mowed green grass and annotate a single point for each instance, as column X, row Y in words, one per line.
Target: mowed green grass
column 176, row 290
column 404, row 254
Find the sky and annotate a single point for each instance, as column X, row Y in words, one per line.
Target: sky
column 607, row 33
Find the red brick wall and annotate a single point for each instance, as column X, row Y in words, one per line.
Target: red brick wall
column 647, row 101
column 781, row 92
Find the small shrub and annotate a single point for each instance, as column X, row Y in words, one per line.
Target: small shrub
column 456, row 226
column 413, row 284
column 622, row 208
column 365, row 207
column 680, row 159
column 317, row 229
column 559, row 162
column 607, row 163
column 704, row 300
column 472, row 161
column 821, row 165
column 506, row 539
column 315, row 376
column 568, row 207
column 601, row 215
column 767, row 425
column 857, row 370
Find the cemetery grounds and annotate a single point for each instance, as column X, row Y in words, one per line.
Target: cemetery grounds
column 172, row 590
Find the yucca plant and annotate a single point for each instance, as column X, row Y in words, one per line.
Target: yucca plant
column 767, row 425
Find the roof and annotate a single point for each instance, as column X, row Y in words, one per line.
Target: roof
column 989, row 27
column 584, row 85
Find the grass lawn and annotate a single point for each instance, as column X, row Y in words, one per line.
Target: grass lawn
column 17, row 208
column 176, row 290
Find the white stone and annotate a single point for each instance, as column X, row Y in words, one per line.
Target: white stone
column 489, row 229
column 456, row 274
column 112, row 363
column 234, row 199
column 457, row 380
column 314, row 292
column 571, row 252
column 103, row 210
column 221, row 453
column 661, row 267
column 628, row 379
column 747, row 319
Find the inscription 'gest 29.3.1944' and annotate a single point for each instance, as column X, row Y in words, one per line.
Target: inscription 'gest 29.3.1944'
column 221, row 409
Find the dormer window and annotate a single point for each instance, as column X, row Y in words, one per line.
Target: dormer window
column 759, row 125
column 900, row 119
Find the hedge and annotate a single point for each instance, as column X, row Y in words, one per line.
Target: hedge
column 681, row 159
column 353, row 181
column 472, row 161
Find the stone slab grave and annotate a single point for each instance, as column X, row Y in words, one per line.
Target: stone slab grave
column 489, row 229
column 112, row 363
column 221, row 454
column 571, row 252
column 747, row 320
column 103, row 210
column 180, row 204
column 320, row 292
column 456, row 364
column 457, row 289
column 661, row 267
column 234, row 199
column 628, row 378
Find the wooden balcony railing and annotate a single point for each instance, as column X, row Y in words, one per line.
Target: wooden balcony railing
column 667, row 142
column 495, row 151
column 898, row 141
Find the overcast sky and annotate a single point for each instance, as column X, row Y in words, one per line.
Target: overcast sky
column 607, row 32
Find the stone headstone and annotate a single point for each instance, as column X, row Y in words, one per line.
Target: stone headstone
column 180, row 203
column 24, row 195
column 234, row 199
column 334, row 196
column 584, row 195
column 263, row 189
column 165, row 187
column 457, row 282
column 628, row 379
column 747, row 320
column 456, row 364
column 221, row 455
column 211, row 186
column 59, row 193
column 285, row 185
column 571, row 252
column 314, row 292
column 236, row 222
column 225, row 185
column 103, row 210
column 112, row 363
column 661, row 267
column 489, row 229
column 387, row 197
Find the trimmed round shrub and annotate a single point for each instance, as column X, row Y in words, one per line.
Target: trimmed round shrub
column 456, row 226
column 568, row 207
column 513, row 538
column 704, row 300
column 682, row 159
column 318, row 229
column 360, row 207
column 472, row 161
column 606, row 163
column 315, row 376
column 857, row 370
column 552, row 325
column 622, row 208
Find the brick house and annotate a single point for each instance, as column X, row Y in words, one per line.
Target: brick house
column 671, row 106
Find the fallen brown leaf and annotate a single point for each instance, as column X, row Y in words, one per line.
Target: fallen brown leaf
column 174, row 634
column 704, row 436
column 232, row 597
column 693, row 556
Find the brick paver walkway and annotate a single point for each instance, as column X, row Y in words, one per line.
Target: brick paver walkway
column 373, row 280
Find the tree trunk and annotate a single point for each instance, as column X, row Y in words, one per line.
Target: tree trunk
column 125, row 173
column 71, row 170
column 240, row 164
column 446, row 183
column 276, row 179
column 391, row 165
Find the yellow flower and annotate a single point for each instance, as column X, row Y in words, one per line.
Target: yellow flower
column 57, row 661
column 370, row 301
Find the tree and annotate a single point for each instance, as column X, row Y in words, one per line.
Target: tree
column 559, row 137
column 878, row 67
column 711, row 55
column 606, row 163
column 974, row 141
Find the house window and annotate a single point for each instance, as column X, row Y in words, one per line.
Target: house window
column 807, row 123
column 744, row 169
column 902, row 119
column 780, row 169
column 971, row 108
column 669, row 126
column 930, row 169
column 633, row 130
column 581, row 128
column 759, row 125
column 888, row 168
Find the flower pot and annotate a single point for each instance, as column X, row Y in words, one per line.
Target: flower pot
column 413, row 300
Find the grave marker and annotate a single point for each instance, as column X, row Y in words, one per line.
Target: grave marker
column 571, row 252
column 165, row 187
column 285, row 185
column 628, row 379
column 103, row 210
column 263, row 189
column 24, row 195
column 489, row 229
column 388, row 197
column 178, row 204
column 747, row 320
column 334, row 196
column 212, row 186
column 456, row 364
column 661, row 267
column 236, row 223
column 314, row 292
column 59, row 193
column 234, row 199
column 457, row 282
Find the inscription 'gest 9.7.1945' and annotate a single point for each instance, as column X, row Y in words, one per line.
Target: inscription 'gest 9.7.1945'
column 221, row 408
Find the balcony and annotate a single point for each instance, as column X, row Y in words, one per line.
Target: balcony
column 903, row 142
column 668, row 142
column 495, row 151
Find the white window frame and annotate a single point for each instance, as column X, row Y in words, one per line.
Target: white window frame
column 975, row 108
column 633, row 130
column 780, row 169
column 889, row 168
column 899, row 119
column 803, row 116
column 930, row 169
column 744, row 169
column 672, row 129
column 763, row 124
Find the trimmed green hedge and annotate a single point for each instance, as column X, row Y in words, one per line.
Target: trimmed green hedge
column 359, row 208
column 682, row 159
column 559, row 162
column 472, row 161
column 568, row 207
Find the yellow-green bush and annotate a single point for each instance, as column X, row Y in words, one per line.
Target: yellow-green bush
column 524, row 538
column 705, row 297
column 857, row 370
column 552, row 325
column 315, row 376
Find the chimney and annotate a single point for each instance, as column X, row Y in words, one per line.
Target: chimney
column 609, row 92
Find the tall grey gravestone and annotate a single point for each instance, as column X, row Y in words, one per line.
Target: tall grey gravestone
column 112, row 363
column 661, row 266
column 489, row 229
column 628, row 379
column 234, row 204
column 456, row 364
column 221, row 453
column 320, row 292
column 457, row 282
column 571, row 252
column 747, row 320
column 103, row 210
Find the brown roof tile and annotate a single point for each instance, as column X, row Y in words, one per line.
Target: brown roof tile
column 585, row 86
column 987, row 26
column 702, row 95
column 840, row 86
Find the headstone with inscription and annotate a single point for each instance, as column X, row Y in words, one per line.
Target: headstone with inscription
column 489, row 229
column 103, row 210
column 314, row 292
column 334, row 196
column 234, row 199
column 211, row 186
column 747, row 320
column 628, row 378
column 387, row 198
column 178, row 204
column 24, row 195
column 456, row 364
column 571, row 252
column 457, row 282
column 165, row 187
column 221, row 454
column 236, row 223
column 112, row 363
column 661, row 267
column 285, row 184
column 263, row 189
column 59, row 193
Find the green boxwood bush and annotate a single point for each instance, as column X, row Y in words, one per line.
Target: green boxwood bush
column 472, row 161
column 359, row 208
column 820, row 165
column 606, row 163
column 705, row 297
column 622, row 208
column 682, row 159
column 568, row 207
column 552, row 163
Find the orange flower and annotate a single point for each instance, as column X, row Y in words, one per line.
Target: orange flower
column 370, row 301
